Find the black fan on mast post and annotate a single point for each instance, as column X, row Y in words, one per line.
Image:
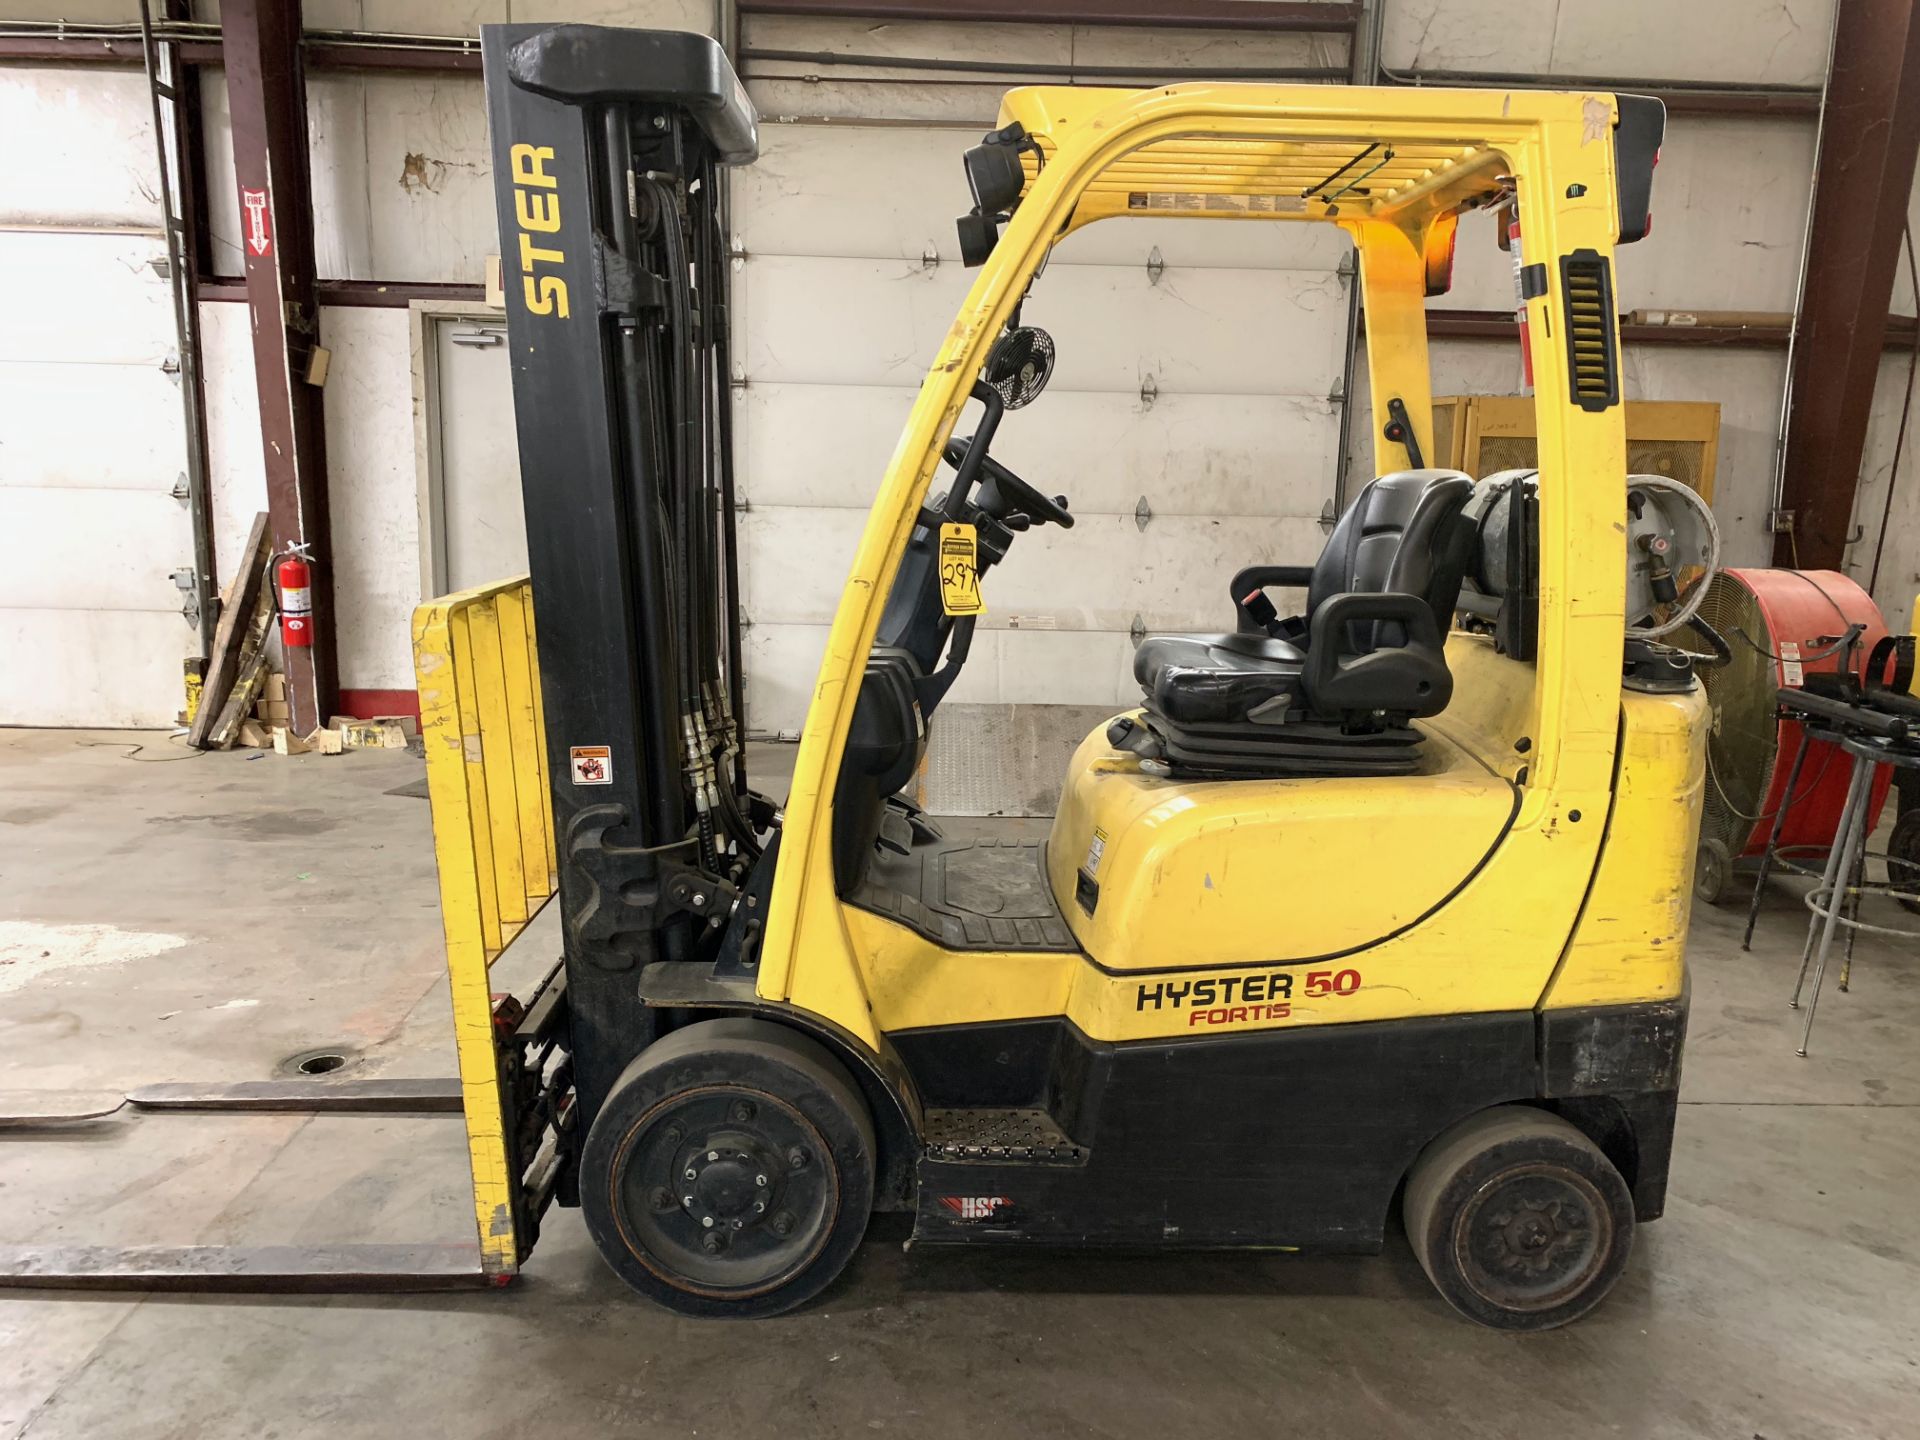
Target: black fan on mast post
column 1020, row 364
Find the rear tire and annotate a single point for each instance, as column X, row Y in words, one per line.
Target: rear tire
column 1712, row 871
column 730, row 1172
column 1518, row 1219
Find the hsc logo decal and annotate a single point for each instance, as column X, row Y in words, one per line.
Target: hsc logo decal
column 970, row 1209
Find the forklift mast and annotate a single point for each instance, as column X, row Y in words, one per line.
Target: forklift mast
column 608, row 147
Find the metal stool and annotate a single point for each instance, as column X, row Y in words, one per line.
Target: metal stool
column 1811, row 733
column 1848, row 858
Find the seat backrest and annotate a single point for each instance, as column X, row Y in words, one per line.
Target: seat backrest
column 1401, row 535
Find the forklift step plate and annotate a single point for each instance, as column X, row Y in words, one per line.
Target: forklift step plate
column 995, row 1136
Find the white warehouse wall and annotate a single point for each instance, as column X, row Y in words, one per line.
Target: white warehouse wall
column 1233, row 455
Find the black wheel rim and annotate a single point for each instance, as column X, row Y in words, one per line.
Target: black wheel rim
column 1533, row 1237
column 724, row 1191
column 1710, row 873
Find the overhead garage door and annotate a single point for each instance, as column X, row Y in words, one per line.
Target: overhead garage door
column 1189, row 418
column 90, row 420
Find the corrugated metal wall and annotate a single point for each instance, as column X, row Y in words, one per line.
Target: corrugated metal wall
column 840, row 308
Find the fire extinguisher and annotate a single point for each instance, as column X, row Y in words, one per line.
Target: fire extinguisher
column 1512, row 221
column 294, row 576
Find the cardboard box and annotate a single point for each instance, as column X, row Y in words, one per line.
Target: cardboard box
column 274, row 688
column 389, row 732
column 273, row 712
column 285, row 742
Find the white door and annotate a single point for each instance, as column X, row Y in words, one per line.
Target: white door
column 1188, row 419
column 480, row 521
column 91, row 435
column 91, row 443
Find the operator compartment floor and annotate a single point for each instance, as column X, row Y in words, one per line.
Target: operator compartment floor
column 967, row 891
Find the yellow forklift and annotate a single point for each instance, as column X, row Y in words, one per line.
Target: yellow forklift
column 1378, row 906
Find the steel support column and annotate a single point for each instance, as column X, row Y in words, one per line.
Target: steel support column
column 266, row 93
column 1865, row 175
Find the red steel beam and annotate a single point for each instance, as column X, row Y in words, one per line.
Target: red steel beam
column 1313, row 16
column 1864, row 176
column 266, row 94
column 324, row 54
column 1498, row 325
column 358, row 294
column 416, row 59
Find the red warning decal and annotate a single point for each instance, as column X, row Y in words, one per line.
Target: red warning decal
column 259, row 227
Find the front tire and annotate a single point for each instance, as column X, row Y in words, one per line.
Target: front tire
column 1518, row 1219
column 730, row 1172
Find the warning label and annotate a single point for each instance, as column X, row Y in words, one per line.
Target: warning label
column 1792, row 672
column 591, row 764
column 1194, row 203
column 259, row 226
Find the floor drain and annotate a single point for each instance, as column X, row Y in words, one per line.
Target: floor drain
column 324, row 1061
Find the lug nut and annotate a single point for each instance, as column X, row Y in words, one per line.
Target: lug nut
column 797, row 1158
column 687, row 1202
column 743, row 1110
column 692, row 1174
column 739, row 1224
column 706, row 1222
column 783, row 1224
column 761, row 1181
column 712, row 1155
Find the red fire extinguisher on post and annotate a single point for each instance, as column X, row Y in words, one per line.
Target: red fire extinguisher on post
column 1512, row 221
column 294, row 576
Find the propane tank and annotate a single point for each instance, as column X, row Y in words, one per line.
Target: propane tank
column 295, row 579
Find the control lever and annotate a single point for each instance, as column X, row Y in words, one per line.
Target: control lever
column 1399, row 429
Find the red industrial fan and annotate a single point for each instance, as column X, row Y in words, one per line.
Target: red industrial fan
column 1782, row 626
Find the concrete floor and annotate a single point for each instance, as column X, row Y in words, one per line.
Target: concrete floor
column 208, row 918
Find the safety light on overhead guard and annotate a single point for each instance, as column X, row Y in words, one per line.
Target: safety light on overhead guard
column 995, row 177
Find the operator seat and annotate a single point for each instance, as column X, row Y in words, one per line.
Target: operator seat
column 1331, row 691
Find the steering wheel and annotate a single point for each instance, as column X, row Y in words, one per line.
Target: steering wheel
column 1011, row 487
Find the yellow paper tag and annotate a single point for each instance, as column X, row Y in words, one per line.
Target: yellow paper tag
column 960, row 570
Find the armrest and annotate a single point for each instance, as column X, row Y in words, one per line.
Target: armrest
column 1408, row 678
column 1348, row 606
column 1255, row 613
column 1258, row 577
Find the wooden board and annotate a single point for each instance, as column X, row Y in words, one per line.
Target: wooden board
column 251, row 676
column 229, row 636
column 1488, row 433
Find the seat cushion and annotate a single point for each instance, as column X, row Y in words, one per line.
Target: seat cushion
column 1200, row 679
column 1233, row 651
